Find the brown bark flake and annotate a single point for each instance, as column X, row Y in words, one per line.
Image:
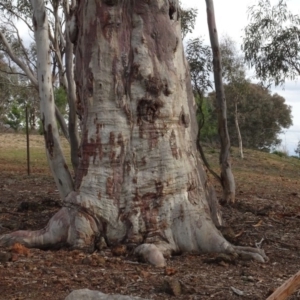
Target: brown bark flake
column 110, row 187
column 184, row 119
column 148, row 110
column 154, row 86
column 173, row 144
column 49, row 140
column 111, row 2
column 172, row 10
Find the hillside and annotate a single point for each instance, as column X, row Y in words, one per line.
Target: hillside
column 267, row 212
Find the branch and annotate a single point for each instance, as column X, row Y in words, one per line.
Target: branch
column 17, row 61
column 287, row 288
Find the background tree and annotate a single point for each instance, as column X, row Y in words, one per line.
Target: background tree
column 200, row 63
column 23, row 57
column 262, row 116
column 16, row 93
column 227, row 178
column 297, row 150
column 234, row 73
column 140, row 181
column 271, row 43
column 188, row 19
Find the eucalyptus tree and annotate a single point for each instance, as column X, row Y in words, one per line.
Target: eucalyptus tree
column 234, row 75
column 199, row 57
column 271, row 43
column 262, row 116
column 140, row 181
column 22, row 54
column 227, row 179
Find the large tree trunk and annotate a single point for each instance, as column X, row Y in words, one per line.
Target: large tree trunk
column 140, row 180
column 227, row 178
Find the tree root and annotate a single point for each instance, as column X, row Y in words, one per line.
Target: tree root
column 67, row 228
column 151, row 254
column 77, row 229
column 248, row 253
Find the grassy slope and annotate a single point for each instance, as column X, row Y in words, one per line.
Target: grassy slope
column 256, row 172
column 261, row 174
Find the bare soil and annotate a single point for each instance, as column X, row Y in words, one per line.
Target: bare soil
column 267, row 214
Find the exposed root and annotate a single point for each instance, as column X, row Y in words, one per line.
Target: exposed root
column 248, row 253
column 67, row 228
column 54, row 235
column 151, row 254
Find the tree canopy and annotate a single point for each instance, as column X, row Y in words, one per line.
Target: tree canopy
column 262, row 116
column 272, row 42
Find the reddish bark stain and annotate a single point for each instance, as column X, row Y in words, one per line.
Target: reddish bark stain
column 110, row 187
column 88, row 149
column 112, row 139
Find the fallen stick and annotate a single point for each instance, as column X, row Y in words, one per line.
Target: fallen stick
column 287, row 288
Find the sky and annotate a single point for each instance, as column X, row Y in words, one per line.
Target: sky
column 231, row 19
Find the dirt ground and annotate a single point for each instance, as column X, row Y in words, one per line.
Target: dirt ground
column 267, row 212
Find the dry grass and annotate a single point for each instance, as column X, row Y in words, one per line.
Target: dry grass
column 13, row 155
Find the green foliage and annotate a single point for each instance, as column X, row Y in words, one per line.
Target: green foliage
column 200, row 60
column 261, row 116
column 207, row 120
column 15, row 117
column 61, row 99
column 271, row 42
column 188, row 19
column 233, row 68
column 280, row 153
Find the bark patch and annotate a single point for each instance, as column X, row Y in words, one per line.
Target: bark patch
column 90, row 148
column 148, row 110
column 173, row 144
column 49, row 139
column 184, row 119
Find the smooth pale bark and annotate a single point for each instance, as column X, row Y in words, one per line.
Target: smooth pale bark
column 227, row 178
column 54, row 153
column 140, row 181
column 236, row 120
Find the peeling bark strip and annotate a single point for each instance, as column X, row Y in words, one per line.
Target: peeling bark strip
column 139, row 180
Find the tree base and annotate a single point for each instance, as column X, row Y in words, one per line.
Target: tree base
column 78, row 230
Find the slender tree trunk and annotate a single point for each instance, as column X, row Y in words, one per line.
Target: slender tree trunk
column 227, row 178
column 140, row 181
column 47, row 107
column 236, row 120
column 73, row 120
